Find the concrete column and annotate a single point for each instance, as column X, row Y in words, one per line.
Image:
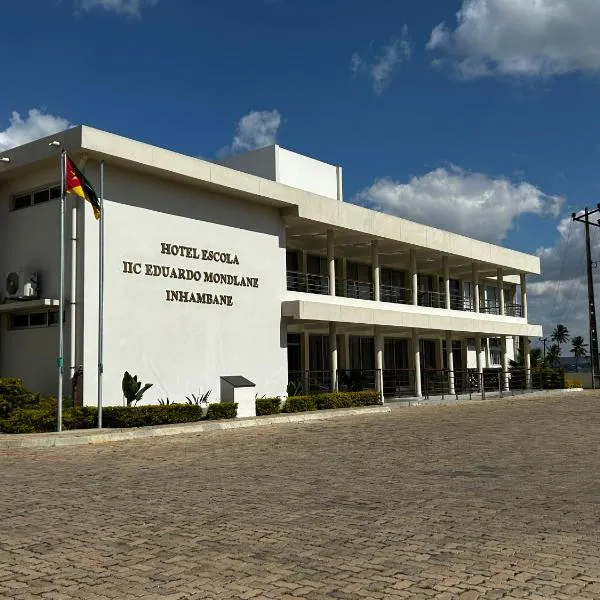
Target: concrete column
column 331, row 260
column 303, row 261
column 440, row 355
column 500, row 276
column 479, row 354
column 414, row 279
column 527, row 361
column 333, row 355
column 446, row 270
column 504, row 361
column 417, row 359
column 346, row 341
column 450, row 361
column 487, row 353
column 376, row 270
column 436, row 288
column 379, row 362
column 475, row 280
column 306, row 360
column 524, row 296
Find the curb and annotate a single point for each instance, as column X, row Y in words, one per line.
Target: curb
column 98, row 436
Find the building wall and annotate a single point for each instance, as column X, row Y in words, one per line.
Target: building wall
column 183, row 347
column 261, row 162
column 30, row 240
column 306, row 173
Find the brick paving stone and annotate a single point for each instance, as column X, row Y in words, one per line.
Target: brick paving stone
column 475, row 501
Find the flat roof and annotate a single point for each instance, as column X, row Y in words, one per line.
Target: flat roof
column 301, row 207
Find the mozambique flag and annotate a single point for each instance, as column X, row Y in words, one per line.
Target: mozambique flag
column 77, row 184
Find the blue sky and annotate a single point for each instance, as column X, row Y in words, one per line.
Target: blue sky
column 487, row 126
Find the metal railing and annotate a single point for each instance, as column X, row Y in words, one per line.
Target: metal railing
column 400, row 383
column 364, row 290
column 432, row 299
column 513, row 310
column 307, row 282
column 351, row 288
column 491, row 308
column 396, row 294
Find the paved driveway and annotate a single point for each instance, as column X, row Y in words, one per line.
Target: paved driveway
column 489, row 500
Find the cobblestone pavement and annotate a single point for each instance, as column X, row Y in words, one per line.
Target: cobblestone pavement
column 489, row 500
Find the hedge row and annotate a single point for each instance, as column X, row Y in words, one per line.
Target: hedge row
column 43, row 418
column 330, row 400
column 268, row 406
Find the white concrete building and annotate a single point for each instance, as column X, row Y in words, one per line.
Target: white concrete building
column 255, row 267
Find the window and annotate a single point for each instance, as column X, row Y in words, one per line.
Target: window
column 37, row 196
column 34, row 319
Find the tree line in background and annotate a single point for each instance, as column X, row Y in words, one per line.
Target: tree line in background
column 561, row 336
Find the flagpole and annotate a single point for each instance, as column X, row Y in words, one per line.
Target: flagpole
column 101, row 297
column 61, row 328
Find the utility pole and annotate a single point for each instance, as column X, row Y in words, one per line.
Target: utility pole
column 544, row 340
column 584, row 218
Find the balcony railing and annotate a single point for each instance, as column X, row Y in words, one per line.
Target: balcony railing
column 350, row 288
column 401, row 383
column 513, row 310
column 393, row 293
column 307, row 282
column 364, row 290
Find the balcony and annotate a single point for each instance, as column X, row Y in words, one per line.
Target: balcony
column 364, row 290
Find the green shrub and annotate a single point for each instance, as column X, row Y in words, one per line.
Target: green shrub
column 222, row 410
column 268, row 406
column 80, row 417
column 572, row 383
column 330, row 400
column 143, row 416
column 29, row 420
column 300, row 404
column 13, row 395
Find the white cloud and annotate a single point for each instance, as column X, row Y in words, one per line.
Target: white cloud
column 522, row 38
column 36, row 125
column 257, row 129
column 382, row 68
column 472, row 204
column 127, row 7
column 559, row 294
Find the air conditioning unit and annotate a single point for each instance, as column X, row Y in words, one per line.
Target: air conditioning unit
column 21, row 285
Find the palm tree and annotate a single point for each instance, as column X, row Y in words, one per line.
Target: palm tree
column 536, row 358
column 560, row 335
column 579, row 350
column 553, row 355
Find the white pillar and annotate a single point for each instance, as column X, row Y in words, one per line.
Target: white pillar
column 417, row 355
column 333, row 355
column 524, row 296
column 500, row 276
column 478, row 354
column 446, row 270
column 414, row 277
column 331, row 261
column 504, row 361
column 379, row 362
column 440, row 355
column 527, row 361
column 376, row 270
column 346, row 341
column 436, row 288
column 450, row 361
column 475, row 280
column 306, row 360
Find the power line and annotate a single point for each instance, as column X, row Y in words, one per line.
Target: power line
column 585, row 218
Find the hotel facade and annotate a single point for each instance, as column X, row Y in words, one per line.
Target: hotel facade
column 253, row 267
